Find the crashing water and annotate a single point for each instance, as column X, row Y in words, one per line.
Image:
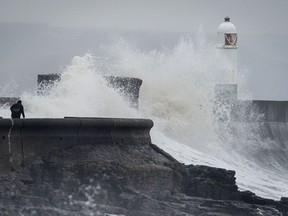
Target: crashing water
column 178, row 95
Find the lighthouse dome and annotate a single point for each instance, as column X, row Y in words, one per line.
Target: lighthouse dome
column 227, row 35
column 226, row 27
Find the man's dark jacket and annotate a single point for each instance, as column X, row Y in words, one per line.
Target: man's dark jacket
column 16, row 110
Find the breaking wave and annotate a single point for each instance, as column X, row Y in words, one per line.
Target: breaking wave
column 178, row 95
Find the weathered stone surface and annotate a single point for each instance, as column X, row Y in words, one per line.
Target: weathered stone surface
column 130, row 180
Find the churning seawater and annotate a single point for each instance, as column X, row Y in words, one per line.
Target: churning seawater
column 178, row 95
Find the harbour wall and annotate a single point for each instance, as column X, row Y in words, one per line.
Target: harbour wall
column 267, row 120
column 248, row 110
column 23, row 140
column 127, row 87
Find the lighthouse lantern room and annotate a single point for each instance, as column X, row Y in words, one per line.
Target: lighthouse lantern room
column 227, row 35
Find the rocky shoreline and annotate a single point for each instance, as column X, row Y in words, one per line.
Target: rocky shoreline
column 128, row 180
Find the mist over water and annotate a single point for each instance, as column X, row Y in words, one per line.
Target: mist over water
column 178, row 95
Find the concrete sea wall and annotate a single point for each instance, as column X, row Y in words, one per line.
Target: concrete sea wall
column 22, row 140
column 45, row 82
column 249, row 110
column 127, row 87
column 268, row 119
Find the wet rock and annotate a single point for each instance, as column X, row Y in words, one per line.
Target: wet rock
column 126, row 180
column 212, row 182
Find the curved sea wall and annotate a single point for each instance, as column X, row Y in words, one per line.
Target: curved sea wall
column 22, row 140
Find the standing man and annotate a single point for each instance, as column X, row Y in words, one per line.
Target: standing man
column 17, row 109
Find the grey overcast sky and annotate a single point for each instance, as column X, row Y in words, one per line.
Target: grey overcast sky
column 40, row 36
column 251, row 16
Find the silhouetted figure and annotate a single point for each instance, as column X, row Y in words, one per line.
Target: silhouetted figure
column 17, row 109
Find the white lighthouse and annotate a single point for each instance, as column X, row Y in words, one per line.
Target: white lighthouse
column 227, row 45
